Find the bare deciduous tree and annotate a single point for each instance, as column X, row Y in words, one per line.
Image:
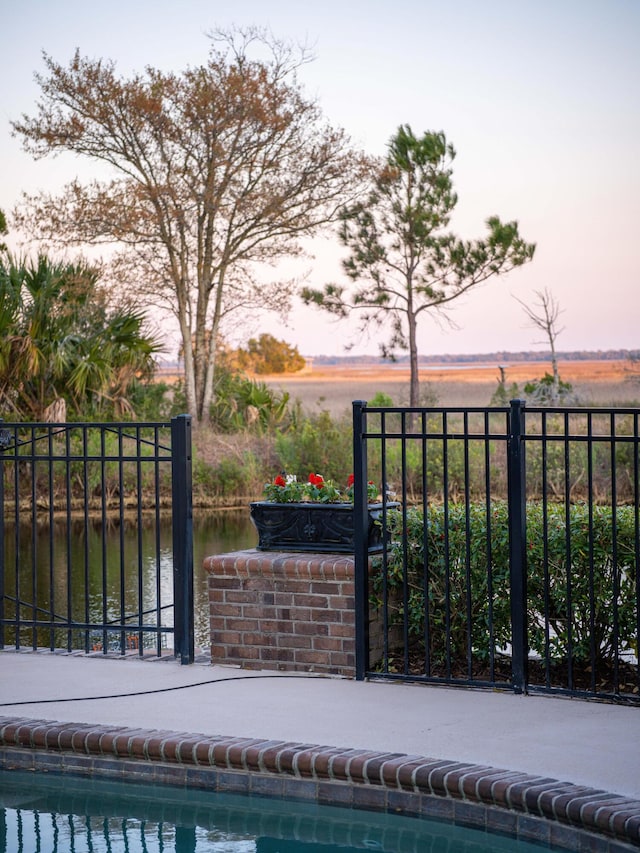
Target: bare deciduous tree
column 546, row 319
column 217, row 170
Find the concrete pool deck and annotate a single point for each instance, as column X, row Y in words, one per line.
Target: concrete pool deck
column 592, row 746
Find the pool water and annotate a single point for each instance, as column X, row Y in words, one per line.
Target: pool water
column 67, row 814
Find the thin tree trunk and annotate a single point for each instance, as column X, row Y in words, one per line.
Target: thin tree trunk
column 189, row 374
column 555, row 393
column 211, row 359
column 414, row 386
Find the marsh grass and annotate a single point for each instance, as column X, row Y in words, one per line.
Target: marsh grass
column 333, row 388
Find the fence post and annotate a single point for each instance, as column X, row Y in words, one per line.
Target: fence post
column 182, row 538
column 517, row 510
column 360, row 522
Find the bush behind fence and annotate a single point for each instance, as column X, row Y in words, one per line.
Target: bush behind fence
column 447, row 580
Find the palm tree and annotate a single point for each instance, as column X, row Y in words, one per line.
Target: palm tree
column 61, row 340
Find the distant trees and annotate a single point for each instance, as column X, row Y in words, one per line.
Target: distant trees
column 63, row 348
column 266, row 354
column 402, row 259
column 215, row 170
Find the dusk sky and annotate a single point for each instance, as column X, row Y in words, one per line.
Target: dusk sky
column 540, row 98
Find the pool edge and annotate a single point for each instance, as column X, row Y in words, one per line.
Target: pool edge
column 533, row 808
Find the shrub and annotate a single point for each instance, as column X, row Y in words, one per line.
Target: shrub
column 448, row 569
column 543, row 392
column 380, row 400
column 318, row 443
column 242, row 403
column 230, row 478
column 588, row 603
column 152, row 401
column 455, row 580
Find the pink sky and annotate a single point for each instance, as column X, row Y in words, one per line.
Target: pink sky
column 540, row 98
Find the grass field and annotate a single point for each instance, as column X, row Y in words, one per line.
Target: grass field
column 334, row 388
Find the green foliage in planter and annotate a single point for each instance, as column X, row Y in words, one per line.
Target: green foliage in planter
column 475, row 590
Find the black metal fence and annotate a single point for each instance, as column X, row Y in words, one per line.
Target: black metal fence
column 514, row 560
column 69, row 576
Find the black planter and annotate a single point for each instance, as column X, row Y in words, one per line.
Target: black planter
column 313, row 526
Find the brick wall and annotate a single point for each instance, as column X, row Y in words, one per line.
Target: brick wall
column 286, row 611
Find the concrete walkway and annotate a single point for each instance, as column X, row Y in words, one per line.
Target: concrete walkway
column 584, row 743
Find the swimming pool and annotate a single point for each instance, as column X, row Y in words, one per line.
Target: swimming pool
column 69, row 814
column 545, row 811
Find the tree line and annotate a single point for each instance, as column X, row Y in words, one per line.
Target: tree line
column 496, row 356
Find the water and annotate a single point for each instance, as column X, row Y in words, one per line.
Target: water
column 67, row 814
column 215, row 532
column 91, row 558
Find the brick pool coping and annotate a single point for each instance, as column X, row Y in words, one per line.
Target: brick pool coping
column 533, row 808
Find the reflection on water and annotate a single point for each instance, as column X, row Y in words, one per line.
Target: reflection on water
column 215, row 532
column 72, row 815
column 86, row 572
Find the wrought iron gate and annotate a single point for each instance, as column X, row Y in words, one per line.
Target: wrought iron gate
column 96, row 537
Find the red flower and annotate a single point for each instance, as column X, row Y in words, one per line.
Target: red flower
column 316, row 479
column 280, row 481
column 351, row 480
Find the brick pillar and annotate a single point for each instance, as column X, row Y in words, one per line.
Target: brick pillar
column 285, row 611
